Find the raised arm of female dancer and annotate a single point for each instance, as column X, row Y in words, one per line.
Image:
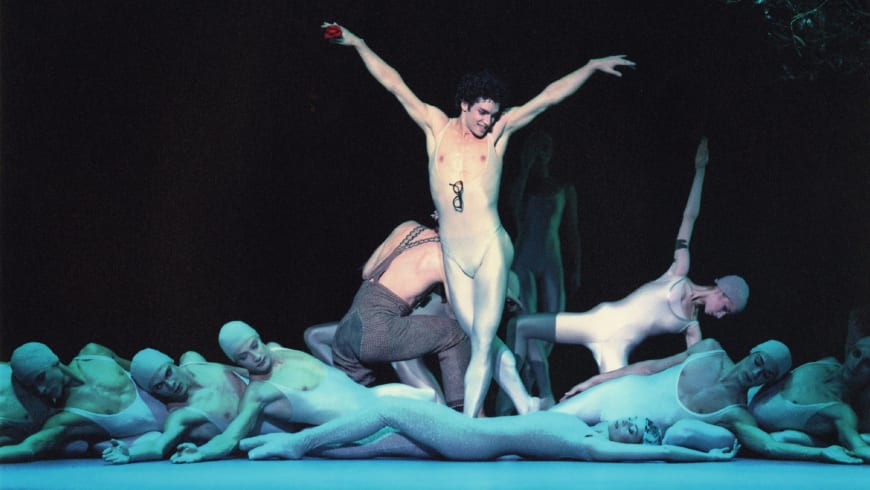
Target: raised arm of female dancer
column 680, row 267
column 668, row 304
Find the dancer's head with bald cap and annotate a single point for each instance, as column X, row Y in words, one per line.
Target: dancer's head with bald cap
column 39, row 370
column 242, row 345
column 158, row 374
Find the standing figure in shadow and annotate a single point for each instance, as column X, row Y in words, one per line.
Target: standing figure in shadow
column 545, row 211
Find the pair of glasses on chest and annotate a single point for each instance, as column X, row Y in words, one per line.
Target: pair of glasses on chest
column 457, row 200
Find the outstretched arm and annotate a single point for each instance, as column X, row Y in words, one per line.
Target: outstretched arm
column 699, row 435
column 423, row 114
column 557, row 91
column 753, row 438
column 251, row 409
column 690, row 214
column 56, row 431
column 601, row 449
column 177, row 424
column 33, row 447
column 644, row 368
column 846, row 422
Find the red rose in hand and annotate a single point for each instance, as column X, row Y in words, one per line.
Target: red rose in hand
column 332, row 32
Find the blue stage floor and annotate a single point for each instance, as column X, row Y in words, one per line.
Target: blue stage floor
column 241, row 474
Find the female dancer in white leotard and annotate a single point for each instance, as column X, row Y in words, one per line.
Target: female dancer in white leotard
column 670, row 304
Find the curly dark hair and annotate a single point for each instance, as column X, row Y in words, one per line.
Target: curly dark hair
column 480, row 85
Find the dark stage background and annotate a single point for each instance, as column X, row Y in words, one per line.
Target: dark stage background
column 169, row 166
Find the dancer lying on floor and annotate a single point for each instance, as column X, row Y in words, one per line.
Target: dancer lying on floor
column 444, row 433
column 702, row 383
column 21, row 412
column 202, row 397
column 670, row 304
column 811, row 404
column 286, row 387
column 95, row 396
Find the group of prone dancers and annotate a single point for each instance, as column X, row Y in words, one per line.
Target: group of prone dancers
column 275, row 402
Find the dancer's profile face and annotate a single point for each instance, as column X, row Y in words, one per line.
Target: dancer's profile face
column 718, row 305
column 254, row 356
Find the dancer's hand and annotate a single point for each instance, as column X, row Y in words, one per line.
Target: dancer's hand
column 609, row 64
column 589, row 383
column 702, row 156
column 338, row 34
column 724, row 453
column 117, row 453
column 186, row 452
column 839, row 454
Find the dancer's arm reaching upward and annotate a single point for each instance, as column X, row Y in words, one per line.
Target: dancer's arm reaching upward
column 680, row 267
column 428, row 117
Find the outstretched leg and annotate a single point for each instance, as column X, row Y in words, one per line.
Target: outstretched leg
column 384, row 444
column 400, row 414
column 435, row 428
